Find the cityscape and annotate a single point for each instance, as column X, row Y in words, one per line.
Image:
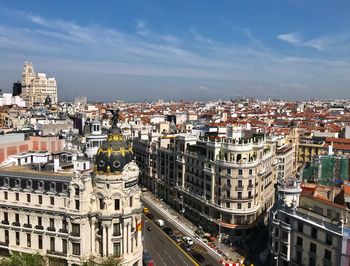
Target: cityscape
column 141, row 147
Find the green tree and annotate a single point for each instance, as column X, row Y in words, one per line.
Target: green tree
column 104, row 261
column 24, row 259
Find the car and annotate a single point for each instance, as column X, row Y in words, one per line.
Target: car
column 187, row 240
column 150, row 216
column 168, row 230
column 147, row 259
column 145, row 210
column 160, row 222
column 198, row 257
column 185, row 247
column 177, row 236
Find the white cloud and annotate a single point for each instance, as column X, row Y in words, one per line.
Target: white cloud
column 292, row 38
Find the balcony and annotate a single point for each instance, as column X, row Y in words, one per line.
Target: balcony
column 63, row 231
column 250, row 186
column 27, row 225
column 16, row 224
column 5, row 222
column 75, row 234
column 2, row 243
column 239, row 188
column 51, row 229
column 56, row 253
column 39, row 227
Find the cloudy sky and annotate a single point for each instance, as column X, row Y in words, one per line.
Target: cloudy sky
column 199, row 49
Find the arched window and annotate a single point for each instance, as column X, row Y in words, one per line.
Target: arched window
column 29, row 184
column 64, row 187
column 41, row 185
column 6, row 182
column 18, row 182
column 52, row 186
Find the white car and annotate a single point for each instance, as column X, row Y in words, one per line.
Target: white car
column 187, row 240
column 160, row 222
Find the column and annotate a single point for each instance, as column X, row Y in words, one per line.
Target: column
column 104, row 237
column 109, row 240
column 93, row 235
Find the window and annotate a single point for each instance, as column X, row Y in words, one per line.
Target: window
column 328, row 254
column 7, row 239
column 101, row 203
column 116, row 204
column 314, row 233
column 299, row 241
column 52, row 243
column 240, row 172
column 41, row 185
column 313, row 247
column 17, row 217
column 239, row 195
column 130, row 202
column 40, row 221
column 239, row 205
column 29, row 240
column 250, row 171
column 276, row 232
column 17, row 196
column 28, row 197
column 52, row 186
column 116, row 229
column 76, row 248
column 284, row 236
column 17, row 183
column 228, row 205
column 6, row 216
column 300, row 227
column 116, row 249
column 249, row 205
column 299, row 256
column 77, row 204
column 5, row 195
column 312, row 262
column 76, row 191
column 40, row 241
column 76, row 229
column 329, row 239
column 28, row 219
column 239, row 183
column 52, row 200
column 40, row 199
column 64, row 246
column 17, row 239
column 228, row 171
column 284, row 249
column 52, row 222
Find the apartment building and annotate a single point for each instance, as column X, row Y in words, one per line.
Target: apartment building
column 224, row 185
column 307, row 226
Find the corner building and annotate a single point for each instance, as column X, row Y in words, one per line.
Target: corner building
column 70, row 217
column 225, row 185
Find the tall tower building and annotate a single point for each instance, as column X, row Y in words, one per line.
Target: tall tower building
column 37, row 87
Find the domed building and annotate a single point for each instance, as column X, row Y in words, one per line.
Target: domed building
column 72, row 215
column 115, row 200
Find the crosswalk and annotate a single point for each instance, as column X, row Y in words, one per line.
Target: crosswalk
column 199, row 248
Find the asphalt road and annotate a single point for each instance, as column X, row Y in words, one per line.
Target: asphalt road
column 161, row 248
column 158, row 240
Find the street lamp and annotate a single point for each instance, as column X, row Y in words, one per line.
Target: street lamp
column 276, row 259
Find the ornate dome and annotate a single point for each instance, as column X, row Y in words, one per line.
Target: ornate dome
column 114, row 153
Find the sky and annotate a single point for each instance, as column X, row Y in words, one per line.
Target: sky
column 192, row 50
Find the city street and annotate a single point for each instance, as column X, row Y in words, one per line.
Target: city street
column 161, row 248
column 160, row 239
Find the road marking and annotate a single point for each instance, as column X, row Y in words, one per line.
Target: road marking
column 166, row 252
column 182, row 259
column 199, row 248
column 188, row 256
column 161, row 258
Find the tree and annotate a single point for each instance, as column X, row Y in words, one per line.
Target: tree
column 24, row 259
column 104, row 261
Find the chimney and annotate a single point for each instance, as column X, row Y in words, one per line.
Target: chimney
column 56, row 164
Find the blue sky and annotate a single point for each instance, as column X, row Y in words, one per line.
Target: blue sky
column 135, row 50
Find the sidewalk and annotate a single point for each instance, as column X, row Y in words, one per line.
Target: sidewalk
column 221, row 251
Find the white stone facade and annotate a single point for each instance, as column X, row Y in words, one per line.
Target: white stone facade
column 36, row 87
column 70, row 217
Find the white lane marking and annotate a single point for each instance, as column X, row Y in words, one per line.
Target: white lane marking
column 185, row 263
column 161, row 258
column 166, row 252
